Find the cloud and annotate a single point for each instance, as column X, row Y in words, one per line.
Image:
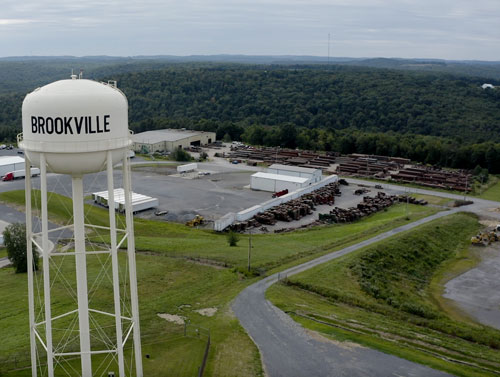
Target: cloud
column 14, row 21
column 184, row 27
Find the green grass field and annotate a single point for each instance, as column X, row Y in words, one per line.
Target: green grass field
column 180, row 266
column 166, row 285
column 491, row 191
column 386, row 297
column 269, row 251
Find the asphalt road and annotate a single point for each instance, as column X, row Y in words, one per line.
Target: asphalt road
column 288, row 349
column 4, row 262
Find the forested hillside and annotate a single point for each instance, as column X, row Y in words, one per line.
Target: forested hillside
column 444, row 118
column 332, row 98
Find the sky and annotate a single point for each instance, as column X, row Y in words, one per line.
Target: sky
column 445, row 29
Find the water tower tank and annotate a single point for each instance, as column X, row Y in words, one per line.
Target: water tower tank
column 75, row 122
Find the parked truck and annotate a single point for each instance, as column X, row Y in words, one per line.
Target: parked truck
column 10, row 176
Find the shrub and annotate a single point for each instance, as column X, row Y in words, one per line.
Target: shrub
column 14, row 237
column 180, row 154
column 232, row 238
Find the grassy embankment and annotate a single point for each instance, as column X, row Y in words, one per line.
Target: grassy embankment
column 387, row 297
column 173, row 273
column 491, row 190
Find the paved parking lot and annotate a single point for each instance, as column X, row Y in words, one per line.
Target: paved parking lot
column 224, row 190
column 211, row 196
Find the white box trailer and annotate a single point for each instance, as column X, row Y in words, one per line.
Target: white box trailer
column 187, row 168
column 10, row 176
column 139, row 202
column 10, row 163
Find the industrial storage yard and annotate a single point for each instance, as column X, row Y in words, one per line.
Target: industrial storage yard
column 217, row 188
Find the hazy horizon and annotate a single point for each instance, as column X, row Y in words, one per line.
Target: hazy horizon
column 450, row 30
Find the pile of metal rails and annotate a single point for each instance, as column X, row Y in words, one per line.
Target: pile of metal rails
column 434, row 177
column 369, row 165
column 293, row 157
column 293, row 209
column 368, row 206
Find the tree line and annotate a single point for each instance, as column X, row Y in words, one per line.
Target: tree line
column 428, row 117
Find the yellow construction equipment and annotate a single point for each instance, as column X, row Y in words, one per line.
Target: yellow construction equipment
column 198, row 220
column 484, row 238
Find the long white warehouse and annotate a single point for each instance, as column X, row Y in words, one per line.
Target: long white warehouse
column 314, row 175
column 10, row 163
column 139, row 202
column 276, row 182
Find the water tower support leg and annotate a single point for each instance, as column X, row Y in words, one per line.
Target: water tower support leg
column 29, row 255
column 46, row 267
column 127, row 185
column 81, row 276
column 115, row 267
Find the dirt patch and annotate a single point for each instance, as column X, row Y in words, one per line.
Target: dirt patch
column 177, row 319
column 489, row 223
column 320, row 338
column 208, row 262
column 207, row 312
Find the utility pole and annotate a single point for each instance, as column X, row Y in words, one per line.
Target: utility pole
column 249, row 247
column 407, row 198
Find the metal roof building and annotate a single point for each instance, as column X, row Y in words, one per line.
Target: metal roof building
column 277, row 182
column 314, row 175
column 169, row 139
column 10, row 163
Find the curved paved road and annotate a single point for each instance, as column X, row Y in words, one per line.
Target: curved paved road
column 288, row 349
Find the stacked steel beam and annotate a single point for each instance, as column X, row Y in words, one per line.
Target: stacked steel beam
column 434, row 178
column 293, row 157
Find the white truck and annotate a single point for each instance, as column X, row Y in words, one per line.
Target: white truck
column 10, row 176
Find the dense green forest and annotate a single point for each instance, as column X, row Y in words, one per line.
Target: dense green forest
column 427, row 116
column 335, row 98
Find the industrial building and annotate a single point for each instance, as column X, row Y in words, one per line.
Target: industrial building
column 276, row 182
column 314, row 175
column 283, row 177
column 10, row 163
column 169, row 139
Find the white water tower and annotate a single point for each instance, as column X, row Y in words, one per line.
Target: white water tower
column 76, row 127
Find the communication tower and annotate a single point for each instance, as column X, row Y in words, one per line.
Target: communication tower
column 77, row 127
